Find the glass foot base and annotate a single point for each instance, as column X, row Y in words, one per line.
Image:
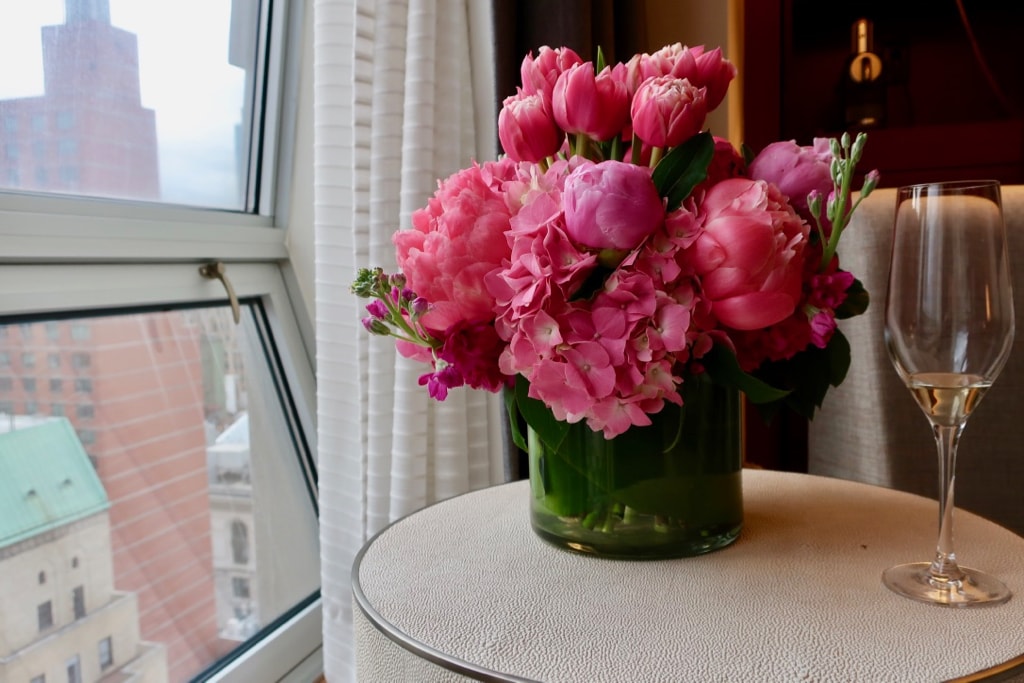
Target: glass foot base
column 915, row 581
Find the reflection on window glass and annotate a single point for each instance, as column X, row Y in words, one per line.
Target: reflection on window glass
column 166, row 506
column 107, row 101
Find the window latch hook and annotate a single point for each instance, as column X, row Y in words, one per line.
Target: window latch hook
column 217, row 271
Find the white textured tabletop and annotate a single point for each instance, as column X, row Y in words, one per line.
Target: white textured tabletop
column 466, row 586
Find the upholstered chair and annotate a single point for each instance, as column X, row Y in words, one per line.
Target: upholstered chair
column 871, row 430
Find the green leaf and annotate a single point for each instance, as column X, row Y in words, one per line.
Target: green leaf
column 838, row 354
column 683, row 169
column 747, row 153
column 539, row 417
column 721, row 364
column 808, row 375
column 856, row 302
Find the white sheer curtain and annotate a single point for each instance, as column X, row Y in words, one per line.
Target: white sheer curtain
column 403, row 95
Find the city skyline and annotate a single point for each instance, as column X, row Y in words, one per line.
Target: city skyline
column 198, row 154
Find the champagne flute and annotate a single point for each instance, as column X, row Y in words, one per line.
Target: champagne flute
column 948, row 329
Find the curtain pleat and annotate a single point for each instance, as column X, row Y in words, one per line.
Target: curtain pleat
column 393, row 112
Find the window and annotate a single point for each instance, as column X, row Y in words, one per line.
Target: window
column 28, row 384
column 240, row 587
column 57, row 409
column 196, row 395
column 6, row 383
column 80, row 360
column 74, row 669
column 28, row 359
column 106, row 653
column 42, row 578
column 78, row 600
column 239, row 542
column 44, row 613
column 185, row 391
column 56, row 385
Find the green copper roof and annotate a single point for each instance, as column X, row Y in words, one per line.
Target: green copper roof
column 46, row 481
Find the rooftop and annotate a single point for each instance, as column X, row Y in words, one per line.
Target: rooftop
column 46, row 481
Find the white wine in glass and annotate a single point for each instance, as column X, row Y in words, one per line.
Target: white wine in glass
column 949, row 329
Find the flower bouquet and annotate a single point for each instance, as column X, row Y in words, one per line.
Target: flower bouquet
column 622, row 275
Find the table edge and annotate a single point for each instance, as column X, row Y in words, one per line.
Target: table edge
column 997, row 672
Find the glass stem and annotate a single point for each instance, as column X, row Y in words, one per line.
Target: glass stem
column 944, row 569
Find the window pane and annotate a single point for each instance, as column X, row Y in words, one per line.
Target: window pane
column 182, row 516
column 107, row 99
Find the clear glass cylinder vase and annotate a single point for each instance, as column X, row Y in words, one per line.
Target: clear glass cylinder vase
column 671, row 489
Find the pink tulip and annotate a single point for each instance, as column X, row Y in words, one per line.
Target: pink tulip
column 667, row 111
column 750, row 255
column 540, row 73
column 594, row 105
column 611, row 205
column 795, row 170
column 526, row 129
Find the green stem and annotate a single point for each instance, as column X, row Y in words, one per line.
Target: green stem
column 636, row 149
column 656, row 153
column 581, row 144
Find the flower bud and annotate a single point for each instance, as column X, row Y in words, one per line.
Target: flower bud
column 526, row 128
column 594, row 105
column 375, row 326
column 870, row 182
column 419, row 306
column 540, row 73
column 814, row 203
column 667, row 111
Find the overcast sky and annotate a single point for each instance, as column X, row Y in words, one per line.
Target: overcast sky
column 185, row 77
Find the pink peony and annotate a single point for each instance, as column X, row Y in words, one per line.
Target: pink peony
column 795, row 170
column 749, row 255
column 595, row 105
column 455, row 241
column 526, row 129
column 540, row 73
column 611, row 205
column 668, row 111
column 703, row 69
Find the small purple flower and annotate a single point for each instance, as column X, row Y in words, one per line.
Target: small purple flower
column 438, row 383
column 377, row 309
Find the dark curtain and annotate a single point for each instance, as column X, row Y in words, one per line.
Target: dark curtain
column 522, row 26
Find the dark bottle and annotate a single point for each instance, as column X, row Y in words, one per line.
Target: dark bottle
column 863, row 84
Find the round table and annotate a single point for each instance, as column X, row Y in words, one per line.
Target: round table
column 464, row 590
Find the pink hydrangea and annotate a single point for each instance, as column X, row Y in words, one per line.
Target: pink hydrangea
column 608, row 358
